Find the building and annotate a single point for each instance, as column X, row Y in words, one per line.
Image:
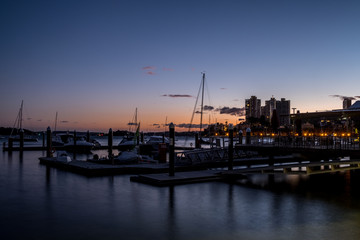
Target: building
column 346, row 103
column 337, row 121
column 252, row 107
column 283, row 111
column 269, row 107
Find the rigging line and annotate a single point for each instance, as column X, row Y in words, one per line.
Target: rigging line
column 18, row 119
column 202, row 103
column 211, row 113
column 193, row 113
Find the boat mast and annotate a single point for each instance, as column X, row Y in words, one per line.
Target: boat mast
column 20, row 115
column 202, row 103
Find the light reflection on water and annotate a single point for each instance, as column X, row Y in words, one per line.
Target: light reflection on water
column 37, row 202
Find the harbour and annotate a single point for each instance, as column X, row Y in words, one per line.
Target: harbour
column 74, row 206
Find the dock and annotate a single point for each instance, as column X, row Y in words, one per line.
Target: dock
column 163, row 179
column 97, row 169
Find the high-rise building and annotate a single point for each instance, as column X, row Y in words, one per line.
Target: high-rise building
column 283, row 111
column 270, row 105
column 252, row 107
column 346, row 103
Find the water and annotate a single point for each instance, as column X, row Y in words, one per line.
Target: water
column 37, row 202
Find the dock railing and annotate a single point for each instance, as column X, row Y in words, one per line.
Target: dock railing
column 322, row 142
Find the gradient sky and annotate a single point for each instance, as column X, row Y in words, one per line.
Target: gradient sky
column 94, row 62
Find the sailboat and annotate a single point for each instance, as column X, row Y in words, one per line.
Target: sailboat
column 202, row 87
column 18, row 129
column 129, row 140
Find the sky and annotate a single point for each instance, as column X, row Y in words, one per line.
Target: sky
column 95, row 62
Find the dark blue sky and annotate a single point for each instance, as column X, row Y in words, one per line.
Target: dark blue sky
column 96, row 61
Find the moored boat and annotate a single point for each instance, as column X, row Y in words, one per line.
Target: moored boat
column 78, row 145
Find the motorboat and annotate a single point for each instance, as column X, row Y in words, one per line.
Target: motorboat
column 62, row 156
column 79, row 145
column 128, row 142
column 154, row 141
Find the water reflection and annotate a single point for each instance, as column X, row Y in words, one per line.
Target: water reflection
column 51, row 203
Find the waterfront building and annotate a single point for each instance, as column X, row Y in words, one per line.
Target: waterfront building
column 252, row 107
column 346, row 103
column 335, row 122
column 269, row 107
column 283, row 111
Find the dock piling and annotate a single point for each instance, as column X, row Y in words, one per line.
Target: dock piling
column 197, row 142
column 10, row 143
column 231, row 147
column 110, row 145
column 43, row 139
column 88, row 136
column 248, row 136
column 21, row 139
column 172, row 150
column 240, row 137
column 48, row 142
column 74, row 150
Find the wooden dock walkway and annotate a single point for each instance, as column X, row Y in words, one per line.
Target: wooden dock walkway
column 98, row 169
column 163, row 179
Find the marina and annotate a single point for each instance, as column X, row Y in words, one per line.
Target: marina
column 200, row 120
column 69, row 205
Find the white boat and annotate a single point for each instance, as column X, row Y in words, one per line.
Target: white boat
column 129, row 141
column 154, row 141
column 80, row 145
column 157, row 140
column 62, row 156
column 128, row 156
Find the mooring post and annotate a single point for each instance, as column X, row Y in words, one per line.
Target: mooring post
column 197, row 145
column 88, row 136
column 48, row 142
column 74, row 149
column 231, row 147
column 240, row 137
column 10, row 144
column 110, row 145
column 248, row 136
column 43, row 139
column 21, row 139
column 172, row 150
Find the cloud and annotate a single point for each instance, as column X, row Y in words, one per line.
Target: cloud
column 150, row 73
column 168, row 69
column 231, row 111
column 187, row 125
column 345, row 97
column 39, row 120
column 177, row 95
column 148, row 68
column 64, row 121
column 223, row 88
column 132, row 124
column 236, row 100
column 208, row 108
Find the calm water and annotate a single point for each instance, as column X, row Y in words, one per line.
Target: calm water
column 37, row 202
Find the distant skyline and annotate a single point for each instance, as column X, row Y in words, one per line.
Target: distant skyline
column 94, row 62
